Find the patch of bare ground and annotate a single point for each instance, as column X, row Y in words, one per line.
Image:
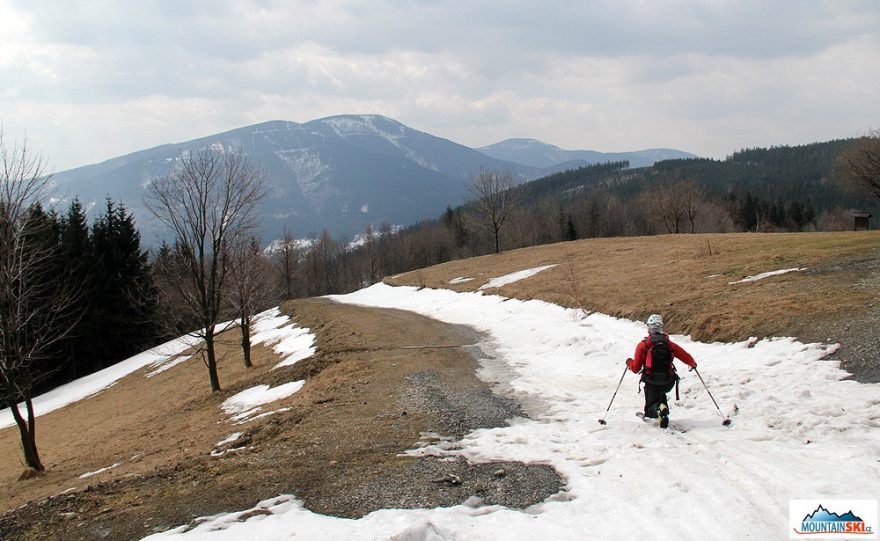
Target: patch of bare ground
column 687, row 278
column 372, row 392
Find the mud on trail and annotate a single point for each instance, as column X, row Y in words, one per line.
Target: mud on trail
column 373, row 391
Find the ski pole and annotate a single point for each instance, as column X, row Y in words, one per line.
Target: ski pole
column 602, row 420
column 726, row 420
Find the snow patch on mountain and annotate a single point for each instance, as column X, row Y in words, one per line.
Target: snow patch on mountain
column 345, row 126
column 308, row 167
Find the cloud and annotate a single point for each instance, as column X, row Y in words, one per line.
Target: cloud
column 89, row 81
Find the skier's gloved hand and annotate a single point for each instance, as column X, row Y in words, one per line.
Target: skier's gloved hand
column 629, row 363
column 692, row 368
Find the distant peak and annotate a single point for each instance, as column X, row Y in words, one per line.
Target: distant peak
column 275, row 125
column 367, row 118
column 518, row 143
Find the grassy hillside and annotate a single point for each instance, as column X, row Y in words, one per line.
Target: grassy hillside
column 687, row 279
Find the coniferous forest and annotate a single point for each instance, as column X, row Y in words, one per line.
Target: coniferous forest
column 107, row 272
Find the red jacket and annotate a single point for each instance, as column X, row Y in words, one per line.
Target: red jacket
column 638, row 361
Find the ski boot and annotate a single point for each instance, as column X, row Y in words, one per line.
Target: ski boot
column 663, row 413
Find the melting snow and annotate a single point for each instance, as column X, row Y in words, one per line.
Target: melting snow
column 229, row 439
column 514, row 277
column 96, row 472
column 294, row 343
column 249, row 399
column 277, row 330
column 763, row 275
column 97, row 382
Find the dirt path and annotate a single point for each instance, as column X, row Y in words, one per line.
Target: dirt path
column 372, row 392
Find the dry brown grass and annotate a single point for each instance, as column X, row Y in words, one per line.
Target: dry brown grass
column 141, row 423
column 675, row 275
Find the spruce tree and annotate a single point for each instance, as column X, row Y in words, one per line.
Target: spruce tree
column 121, row 322
column 75, row 252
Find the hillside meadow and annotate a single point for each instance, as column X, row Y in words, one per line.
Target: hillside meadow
column 687, row 279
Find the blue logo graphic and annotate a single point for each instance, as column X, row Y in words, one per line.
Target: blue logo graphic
column 824, row 521
column 823, row 515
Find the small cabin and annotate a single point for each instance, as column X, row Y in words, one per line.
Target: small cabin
column 861, row 221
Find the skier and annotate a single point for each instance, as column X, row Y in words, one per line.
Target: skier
column 655, row 354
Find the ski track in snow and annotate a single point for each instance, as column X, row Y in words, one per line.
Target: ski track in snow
column 801, row 431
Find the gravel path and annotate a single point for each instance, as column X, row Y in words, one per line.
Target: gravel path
column 857, row 332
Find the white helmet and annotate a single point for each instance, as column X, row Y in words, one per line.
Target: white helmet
column 655, row 323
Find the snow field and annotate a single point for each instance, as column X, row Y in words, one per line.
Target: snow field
column 97, row 382
column 799, row 431
column 270, row 327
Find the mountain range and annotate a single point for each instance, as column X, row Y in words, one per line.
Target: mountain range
column 338, row 173
column 538, row 154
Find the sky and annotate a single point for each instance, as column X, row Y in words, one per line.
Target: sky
column 87, row 81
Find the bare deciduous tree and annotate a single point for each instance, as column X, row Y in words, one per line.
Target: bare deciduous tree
column 32, row 302
column 859, row 165
column 494, row 196
column 250, row 289
column 287, row 262
column 208, row 203
column 674, row 201
column 572, row 283
column 371, row 255
column 691, row 197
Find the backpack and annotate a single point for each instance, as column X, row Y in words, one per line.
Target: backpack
column 658, row 363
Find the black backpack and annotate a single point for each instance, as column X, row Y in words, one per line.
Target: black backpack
column 658, row 367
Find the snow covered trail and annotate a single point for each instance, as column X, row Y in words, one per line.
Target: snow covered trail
column 800, row 432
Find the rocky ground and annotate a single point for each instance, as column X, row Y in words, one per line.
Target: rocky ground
column 383, row 382
column 856, row 330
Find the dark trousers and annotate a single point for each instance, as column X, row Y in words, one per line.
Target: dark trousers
column 654, row 396
column 656, row 387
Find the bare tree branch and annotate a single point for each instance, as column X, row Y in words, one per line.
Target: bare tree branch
column 250, row 290
column 34, row 305
column 859, row 165
column 208, row 202
column 495, row 196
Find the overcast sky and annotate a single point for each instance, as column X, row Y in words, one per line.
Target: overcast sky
column 88, row 81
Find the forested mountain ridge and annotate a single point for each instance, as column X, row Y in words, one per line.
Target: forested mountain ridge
column 775, row 189
column 784, row 177
column 539, row 154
